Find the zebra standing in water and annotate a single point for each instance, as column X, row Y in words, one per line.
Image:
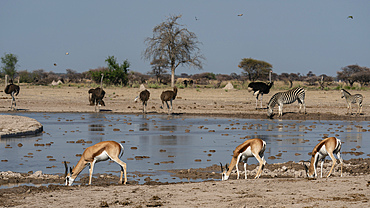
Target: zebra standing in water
column 357, row 98
column 287, row 97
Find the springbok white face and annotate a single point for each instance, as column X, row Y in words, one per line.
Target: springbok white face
column 313, row 175
column 224, row 175
column 69, row 181
column 311, row 170
column 67, row 175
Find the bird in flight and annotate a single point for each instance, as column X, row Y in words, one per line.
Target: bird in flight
column 350, row 17
column 239, row 15
column 67, row 53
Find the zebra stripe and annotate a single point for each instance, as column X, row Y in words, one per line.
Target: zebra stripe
column 287, row 97
column 357, row 98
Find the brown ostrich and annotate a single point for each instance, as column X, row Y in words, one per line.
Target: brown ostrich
column 12, row 90
column 168, row 95
column 144, row 97
column 96, row 95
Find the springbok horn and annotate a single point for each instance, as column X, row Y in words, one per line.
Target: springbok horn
column 305, row 166
column 66, row 167
column 70, row 170
column 226, row 166
column 222, row 169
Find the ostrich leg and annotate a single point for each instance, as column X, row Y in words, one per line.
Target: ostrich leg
column 15, row 103
column 261, row 100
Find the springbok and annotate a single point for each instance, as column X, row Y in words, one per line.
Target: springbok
column 101, row 151
column 328, row 146
column 250, row 148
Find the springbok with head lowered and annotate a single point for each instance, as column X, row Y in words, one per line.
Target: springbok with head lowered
column 250, row 148
column 101, row 151
column 168, row 95
column 352, row 99
column 328, row 146
column 287, row 97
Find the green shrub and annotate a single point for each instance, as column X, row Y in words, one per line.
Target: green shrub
column 115, row 73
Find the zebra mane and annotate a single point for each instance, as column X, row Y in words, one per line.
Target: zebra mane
column 273, row 100
column 346, row 91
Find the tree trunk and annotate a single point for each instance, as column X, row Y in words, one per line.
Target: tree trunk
column 351, row 83
column 172, row 77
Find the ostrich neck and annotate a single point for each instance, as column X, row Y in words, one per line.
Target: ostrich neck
column 270, row 76
column 101, row 82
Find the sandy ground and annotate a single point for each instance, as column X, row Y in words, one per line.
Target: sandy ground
column 239, row 103
column 12, row 125
column 280, row 192
column 352, row 190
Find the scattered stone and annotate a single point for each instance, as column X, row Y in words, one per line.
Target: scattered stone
column 229, row 86
column 104, row 204
column 37, row 174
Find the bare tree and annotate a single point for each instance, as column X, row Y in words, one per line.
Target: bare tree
column 174, row 43
column 158, row 68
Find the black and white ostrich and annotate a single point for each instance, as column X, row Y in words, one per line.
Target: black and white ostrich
column 260, row 88
column 168, row 95
column 144, row 97
column 96, row 95
column 12, row 90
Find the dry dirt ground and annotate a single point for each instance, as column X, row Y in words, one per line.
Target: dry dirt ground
column 352, row 190
column 321, row 105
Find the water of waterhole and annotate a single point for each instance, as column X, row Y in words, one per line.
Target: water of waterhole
column 153, row 143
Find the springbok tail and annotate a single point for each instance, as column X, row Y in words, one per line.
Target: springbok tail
column 121, row 150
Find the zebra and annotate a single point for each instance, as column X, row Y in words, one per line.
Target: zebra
column 357, row 98
column 287, row 97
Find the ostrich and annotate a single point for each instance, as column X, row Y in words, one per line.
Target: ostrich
column 260, row 88
column 97, row 95
column 144, row 97
column 168, row 95
column 11, row 89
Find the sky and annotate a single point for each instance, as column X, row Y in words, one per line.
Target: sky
column 294, row 36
